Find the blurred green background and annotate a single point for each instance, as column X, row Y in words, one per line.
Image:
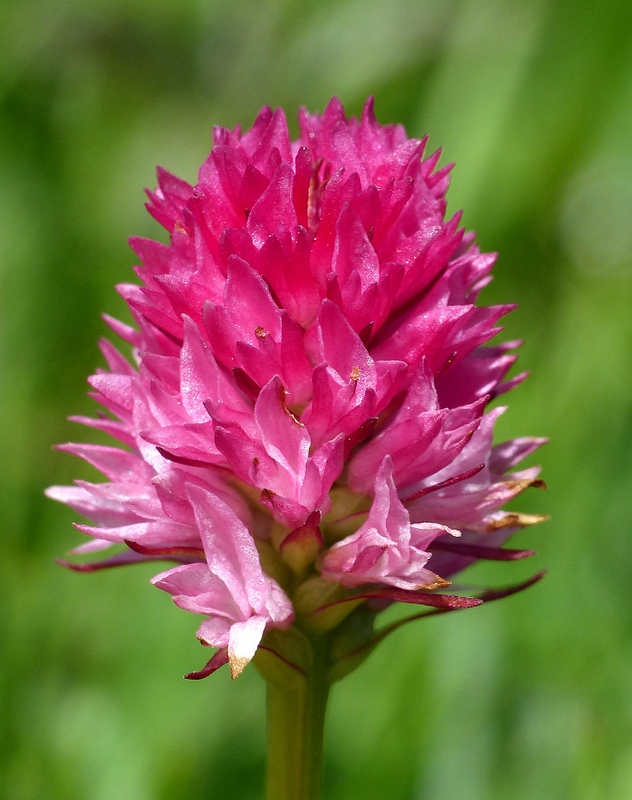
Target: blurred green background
column 528, row 698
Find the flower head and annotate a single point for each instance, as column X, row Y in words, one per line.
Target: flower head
column 306, row 406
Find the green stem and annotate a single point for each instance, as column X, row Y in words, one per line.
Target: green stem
column 296, row 724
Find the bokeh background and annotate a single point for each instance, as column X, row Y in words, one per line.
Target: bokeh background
column 524, row 699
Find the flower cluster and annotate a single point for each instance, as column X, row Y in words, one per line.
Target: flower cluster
column 304, row 424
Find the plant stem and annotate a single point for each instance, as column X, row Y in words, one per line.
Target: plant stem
column 296, row 724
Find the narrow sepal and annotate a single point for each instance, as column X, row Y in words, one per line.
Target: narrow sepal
column 447, row 601
column 119, row 560
column 480, row 551
column 212, row 665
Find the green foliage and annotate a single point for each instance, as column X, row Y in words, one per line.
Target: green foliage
column 525, row 699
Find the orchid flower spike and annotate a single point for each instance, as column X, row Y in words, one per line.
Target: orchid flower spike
column 302, row 430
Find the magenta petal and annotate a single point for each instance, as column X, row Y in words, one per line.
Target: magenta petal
column 248, row 302
column 273, row 212
column 334, row 342
column 200, row 377
column 285, row 439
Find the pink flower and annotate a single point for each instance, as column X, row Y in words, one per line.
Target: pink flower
column 307, row 399
column 231, row 589
column 387, row 548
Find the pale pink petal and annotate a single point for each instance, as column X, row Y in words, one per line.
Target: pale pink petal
column 230, row 550
column 386, row 548
column 243, row 641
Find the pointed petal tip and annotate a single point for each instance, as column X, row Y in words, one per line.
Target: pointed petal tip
column 437, row 583
column 521, row 484
column 479, row 551
column 237, row 665
column 118, row 560
column 91, row 566
column 516, row 520
column 498, row 594
column 63, row 562
column 218, row 660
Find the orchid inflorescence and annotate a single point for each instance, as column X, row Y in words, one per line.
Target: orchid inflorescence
column 303, row 431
